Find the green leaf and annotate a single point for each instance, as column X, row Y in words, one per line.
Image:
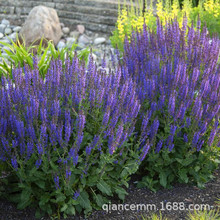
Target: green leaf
column 92, row 180
column 39, row 214
column 183, row 175
column 99, row 200
column 104, row 187
column 83, row 180
column 163, row 179
column 197, row 168
column 44, row 199
column 124, row 173
column 84, row 200
column 40, row 183
column 60, row 198
column 185, row 162
column 25, row 199
column 53, row 166
column 70, row 210
column 121, row 192
column 65, row 206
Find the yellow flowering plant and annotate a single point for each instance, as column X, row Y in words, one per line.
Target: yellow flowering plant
column 131, row 17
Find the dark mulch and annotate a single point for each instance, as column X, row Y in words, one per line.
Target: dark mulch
column 180, row 193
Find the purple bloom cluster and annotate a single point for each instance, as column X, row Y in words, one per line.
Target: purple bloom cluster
column 168, row 79
column 177, row 78
column 40, row 115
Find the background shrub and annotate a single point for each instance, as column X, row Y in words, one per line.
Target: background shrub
column 177, row 75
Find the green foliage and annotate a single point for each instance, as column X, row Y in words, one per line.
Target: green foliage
column 183, row 164
column 155, row 217
column 204, row 215
column 196, row 215
column 19, row 55
column 32, row 186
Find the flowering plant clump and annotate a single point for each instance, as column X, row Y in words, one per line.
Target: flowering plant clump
column 132, row 18
column 65, row 137
column 177, row 75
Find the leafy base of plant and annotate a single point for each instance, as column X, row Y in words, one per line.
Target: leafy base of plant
column 165, row 168
column 32, row 187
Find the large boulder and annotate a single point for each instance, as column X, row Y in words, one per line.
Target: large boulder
column 41, row 22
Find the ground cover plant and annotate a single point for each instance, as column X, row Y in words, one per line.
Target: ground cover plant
column 132, row 17
column 177, row 76
column 65, row 137
column 196, row 215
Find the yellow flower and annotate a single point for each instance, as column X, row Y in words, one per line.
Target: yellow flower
column 209, row 6
column 160, row 11
column 175, row 9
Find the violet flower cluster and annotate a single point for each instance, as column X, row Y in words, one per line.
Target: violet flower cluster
column 72, row 104
column 166, row 88
column 178, row 78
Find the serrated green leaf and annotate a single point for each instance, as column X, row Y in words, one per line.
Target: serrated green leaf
column 25, row 200
column 53, row 166
column 185, row 162
column 70, row 210
column 99, row 199
column 60, row 198
column 83, row 200
column 124, row 173
column 44, row 199
column 65, row 206
column 163, row 179
column 183, row 175
column 40, row 183
column 121, row 192
column 104, row 187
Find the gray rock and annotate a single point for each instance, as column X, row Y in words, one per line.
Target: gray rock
column 62, row 25
column 1, row 35
column 109, row 42
column 70, row 41
column 8, row 30
column 78, row 48
column 80, row 28
column 97, row 53
column 5, row 40
column 5, row 22
column 16, row 29
column 66, row 30
column 41, row 22
column 84, row 39
column 96, row 35
column 6, row 48
column 61, row 45
column 99, row 40
column 94, row 57
column 13, row 36
column 74, row 34
column 2, row 28
column 82, row 45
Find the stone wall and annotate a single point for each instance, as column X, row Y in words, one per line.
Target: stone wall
column 95, row 15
